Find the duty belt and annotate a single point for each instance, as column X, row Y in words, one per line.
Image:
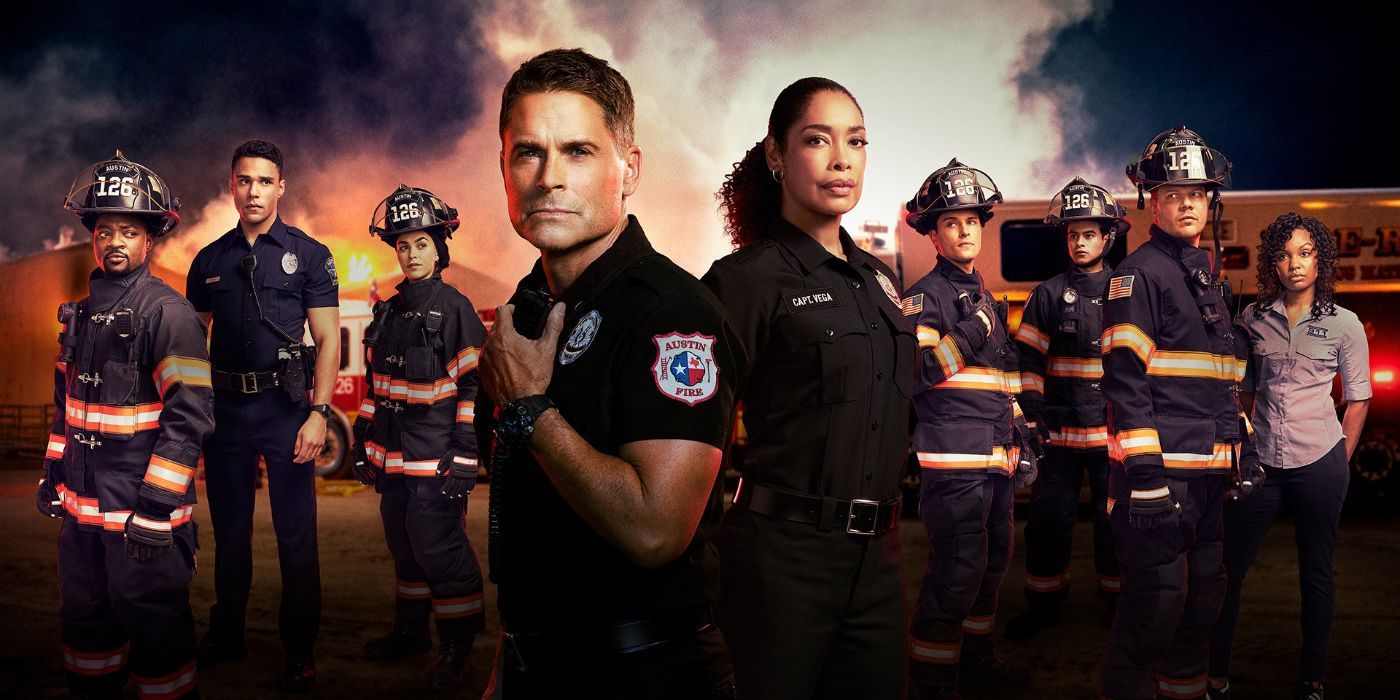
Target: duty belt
column 552, row 648
column 857, row 517
column 245, row 382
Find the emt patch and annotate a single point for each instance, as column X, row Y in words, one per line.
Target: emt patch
column 1120, row 287
column 685, row 367
column 888, row 286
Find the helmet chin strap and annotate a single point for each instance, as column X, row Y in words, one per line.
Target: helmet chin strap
column 1217, row 209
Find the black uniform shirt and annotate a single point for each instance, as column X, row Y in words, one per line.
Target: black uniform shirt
column 294, row 273
column 826, row 402
column 645, row 354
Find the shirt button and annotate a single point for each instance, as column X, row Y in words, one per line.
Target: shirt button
column 874, row 326
column 875, row 426
column 830, row 332
column 879, row 375
column 869, row 476
column 856, row 285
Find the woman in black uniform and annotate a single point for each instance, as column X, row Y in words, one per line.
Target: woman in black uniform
column 812, row 599
column 414, row 439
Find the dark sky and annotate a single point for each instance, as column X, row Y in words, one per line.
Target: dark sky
column 1296, row 97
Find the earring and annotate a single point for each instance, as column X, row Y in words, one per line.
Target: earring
column 777, row 176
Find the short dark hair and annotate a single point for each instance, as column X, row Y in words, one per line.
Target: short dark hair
column 258, row 149
column 575, row 70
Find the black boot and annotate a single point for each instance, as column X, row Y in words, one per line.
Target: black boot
column 1303, row 690
column 449, row 671
column 407, row 638
column 986, row 669
column 933, row 681
column 1032, row 622
column 299, row 675
column 223, row 642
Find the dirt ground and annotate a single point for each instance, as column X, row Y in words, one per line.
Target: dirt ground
column 358, row 600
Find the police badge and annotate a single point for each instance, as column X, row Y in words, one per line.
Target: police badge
column 289, row 262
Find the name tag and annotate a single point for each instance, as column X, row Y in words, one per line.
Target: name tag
column 212, row 280
column 808, row 299
column 1317, row 331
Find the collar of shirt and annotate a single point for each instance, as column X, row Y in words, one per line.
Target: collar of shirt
column 1088, row 281
column 1279, row 307
column 955, row 274
column 1190, row 256
column 630, row 245
column 809, row 253
column 277, row 234
column 104, row 291
column 413, row 293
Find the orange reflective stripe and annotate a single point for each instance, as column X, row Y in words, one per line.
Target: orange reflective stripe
column 95, row 663
column 978, row 624
column 394, row 463
column 1130, row 443
column 928, row 337
column 943, row 654
column 1219, row 458
column 1198, row 365
column 998, row 459
column 169, row 474
column 1034, row 337
column 87, row 511
column 413, row 590
column 115, row 420
column 466, row 411
column 1046, row 584
column 1075, row 367
column 465, row 361
column 1082, row 438
column 457, row 607
column 949, row 357
column 423, row 393
column 1130, row 337
column 375, row 453
column 366, row 408
column 166, row 687
column 1182, row 688
column 978, row 379
column 56, row 444
column 1110, row 584
column 190, row 371
column 1030, row 381
column 1248, row 426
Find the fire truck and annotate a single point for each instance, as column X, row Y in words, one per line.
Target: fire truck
column 1019, row 251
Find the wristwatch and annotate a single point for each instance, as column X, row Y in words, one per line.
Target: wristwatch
column 518, row 419
column 323, row 409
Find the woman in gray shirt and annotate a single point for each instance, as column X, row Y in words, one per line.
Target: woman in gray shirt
column 1300, row 339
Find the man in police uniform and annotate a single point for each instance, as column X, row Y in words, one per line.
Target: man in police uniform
column 971, row 440
column 1171, row 369
column 611, row 424
column 1061, row 367
column 414, row 438
column 261, row 283
column 132, row 404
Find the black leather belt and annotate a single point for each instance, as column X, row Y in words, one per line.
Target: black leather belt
column 858, row 517
column 245, row 382
column 548, row 648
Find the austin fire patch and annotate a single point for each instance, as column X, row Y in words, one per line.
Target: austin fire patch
column 685, row 368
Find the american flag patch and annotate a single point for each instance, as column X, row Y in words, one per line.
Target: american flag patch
column 912, row 305
column 1120, row 287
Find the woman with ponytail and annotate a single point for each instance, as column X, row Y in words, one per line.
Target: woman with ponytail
column 812, row 601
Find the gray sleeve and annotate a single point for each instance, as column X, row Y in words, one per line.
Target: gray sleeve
column 1354, row 362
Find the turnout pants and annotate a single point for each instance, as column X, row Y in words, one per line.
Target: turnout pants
column 435, row 565
column 118, row 613
column 810, row 613
column 971, row 536
column 1173, row 586
column 263, row 424
column 1054, row 509
column 1315, row 493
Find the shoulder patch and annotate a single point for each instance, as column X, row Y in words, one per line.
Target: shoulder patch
column 582, row 336
column 330, row 270
column 685, row 368
column 1120, row 287
column 912, row 305
column 888, row 287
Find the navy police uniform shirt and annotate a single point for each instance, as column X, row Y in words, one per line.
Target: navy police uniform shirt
column 294, row 273
column 826, row 403
column 645, row 354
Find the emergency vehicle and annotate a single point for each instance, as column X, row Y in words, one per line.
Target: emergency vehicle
column 1019, row 251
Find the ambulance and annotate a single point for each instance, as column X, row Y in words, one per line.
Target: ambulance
column 1019, row 251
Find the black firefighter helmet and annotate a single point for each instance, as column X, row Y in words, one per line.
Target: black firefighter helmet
column 1081, row 200
column 952, row 187
column 412, row 209
column 121, row 186
column 1179, row 156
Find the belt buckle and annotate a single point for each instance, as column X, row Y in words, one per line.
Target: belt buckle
column 866, row 522
column 244, row 376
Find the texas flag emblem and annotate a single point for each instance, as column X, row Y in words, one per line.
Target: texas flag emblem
column 685, row 367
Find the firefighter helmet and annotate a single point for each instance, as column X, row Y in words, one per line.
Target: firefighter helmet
column 952, row 187
column 412, row 209
column 121, row 186
column 1179, row 156
column 1083, row 201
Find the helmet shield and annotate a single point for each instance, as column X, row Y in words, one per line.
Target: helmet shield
column 121, row 186
column 953, row 187
column 412, row 209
